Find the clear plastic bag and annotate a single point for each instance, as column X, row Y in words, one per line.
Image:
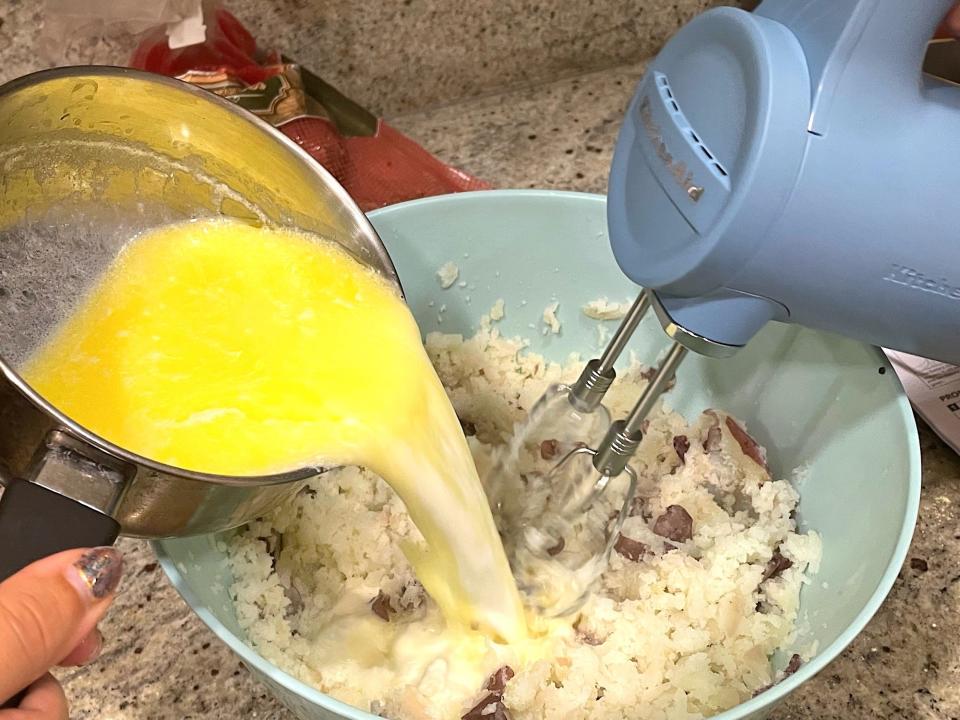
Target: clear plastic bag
column 66, row 20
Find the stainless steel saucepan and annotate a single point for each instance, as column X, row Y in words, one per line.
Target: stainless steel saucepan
column 90, row 157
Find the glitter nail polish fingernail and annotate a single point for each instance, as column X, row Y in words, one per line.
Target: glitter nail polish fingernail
column 100, row 569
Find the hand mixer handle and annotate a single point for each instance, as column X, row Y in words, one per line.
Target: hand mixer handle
column 888, row 37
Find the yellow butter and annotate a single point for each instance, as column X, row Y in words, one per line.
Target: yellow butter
column 228, row 349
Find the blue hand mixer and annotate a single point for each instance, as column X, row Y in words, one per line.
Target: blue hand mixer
column 795, row 164
column 790, row 164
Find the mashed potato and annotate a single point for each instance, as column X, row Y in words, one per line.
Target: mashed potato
column 701, row 592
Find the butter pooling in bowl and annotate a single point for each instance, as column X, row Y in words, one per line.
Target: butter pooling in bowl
column 222, row 348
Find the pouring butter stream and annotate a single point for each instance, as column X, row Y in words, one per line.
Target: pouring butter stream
column 222, row 348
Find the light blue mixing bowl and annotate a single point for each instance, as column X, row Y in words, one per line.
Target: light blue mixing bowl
column 816, row 401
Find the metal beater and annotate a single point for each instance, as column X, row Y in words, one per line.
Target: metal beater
column 541, row 513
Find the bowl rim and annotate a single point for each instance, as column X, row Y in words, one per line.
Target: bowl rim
column 763, row 701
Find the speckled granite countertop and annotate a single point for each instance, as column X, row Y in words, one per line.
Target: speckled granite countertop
column 161, row 662
column 407, row 54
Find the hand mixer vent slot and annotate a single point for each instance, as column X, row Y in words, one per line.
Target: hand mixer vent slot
column 666, row 94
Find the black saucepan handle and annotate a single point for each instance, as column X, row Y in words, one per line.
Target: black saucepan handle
column 36, row 522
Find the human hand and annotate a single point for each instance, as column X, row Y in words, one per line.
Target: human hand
column 48, row 616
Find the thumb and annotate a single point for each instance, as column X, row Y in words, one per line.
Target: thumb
column 47, row 608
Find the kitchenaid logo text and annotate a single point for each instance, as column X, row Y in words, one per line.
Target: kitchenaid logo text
column 679, row 171
column 916, row 280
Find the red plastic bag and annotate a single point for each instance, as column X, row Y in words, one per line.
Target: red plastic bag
column 376, row 164
column 228, row 47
